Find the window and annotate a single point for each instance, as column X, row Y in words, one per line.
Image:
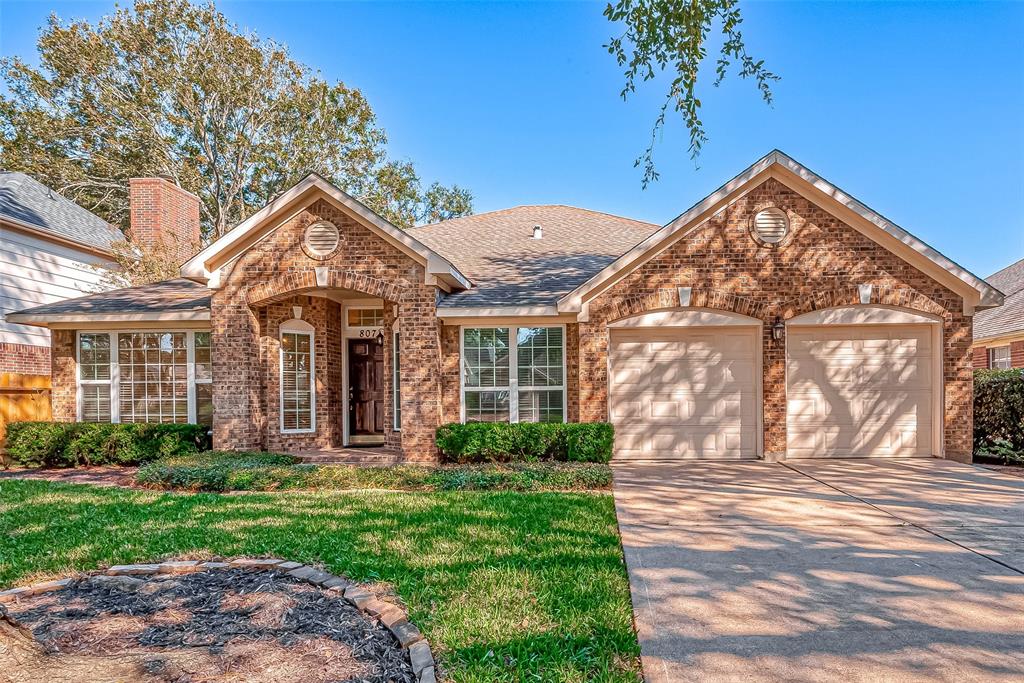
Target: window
column 999, row 358
column 159, row 376
column 365, row 317
column 297, row 398
column 94, row 377
column 513, row 374
column 396, row 382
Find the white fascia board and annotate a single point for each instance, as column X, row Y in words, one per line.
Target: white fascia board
column 970, row 285
column 196, row 267
column 45, row 319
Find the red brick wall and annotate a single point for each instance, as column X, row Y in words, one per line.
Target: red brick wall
column 1017, row 354
column 820, row 264
column 259, row 290
column 164, row 216
column 63, row 376
column 979, row 357
column 24, row 359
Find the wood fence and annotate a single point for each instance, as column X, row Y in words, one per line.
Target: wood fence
column 23, row 397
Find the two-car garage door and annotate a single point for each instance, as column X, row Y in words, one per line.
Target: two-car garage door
column 852, row 391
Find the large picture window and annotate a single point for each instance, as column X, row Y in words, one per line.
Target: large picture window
column 145, row 377
column 513, row 374
column 298, row 406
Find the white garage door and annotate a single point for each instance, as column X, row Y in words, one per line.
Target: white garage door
column 684, row 393
column 859, row 391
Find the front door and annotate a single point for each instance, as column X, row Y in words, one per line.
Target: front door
column 365, row 390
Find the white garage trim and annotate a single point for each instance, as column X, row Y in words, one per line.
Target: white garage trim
column 672, row 326
column 859, row 317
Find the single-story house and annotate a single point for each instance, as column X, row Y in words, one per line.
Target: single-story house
column 777, row 317
column 999, row 332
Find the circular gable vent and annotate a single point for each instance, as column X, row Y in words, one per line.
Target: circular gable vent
column 771, row 225
column 321, row 239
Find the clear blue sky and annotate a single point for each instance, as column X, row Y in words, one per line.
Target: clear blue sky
column 916, row 109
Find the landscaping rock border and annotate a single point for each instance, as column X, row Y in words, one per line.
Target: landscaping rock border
column 391, row 616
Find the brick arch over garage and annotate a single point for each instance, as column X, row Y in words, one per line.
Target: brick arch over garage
column 667, row 298
column 308, row 280
column 898, row 297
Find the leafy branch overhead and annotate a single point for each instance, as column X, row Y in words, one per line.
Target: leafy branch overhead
column 672, row 35
column 170, row 88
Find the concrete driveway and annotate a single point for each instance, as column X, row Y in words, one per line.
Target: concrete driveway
column 852, row 570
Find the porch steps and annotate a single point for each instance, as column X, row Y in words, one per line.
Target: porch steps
column 364, row 457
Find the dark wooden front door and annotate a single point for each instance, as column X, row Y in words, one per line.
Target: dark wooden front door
column 365, row 387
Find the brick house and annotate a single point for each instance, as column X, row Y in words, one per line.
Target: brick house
column 999, row 332
column 777, row 317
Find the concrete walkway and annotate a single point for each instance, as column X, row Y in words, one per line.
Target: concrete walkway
column 853, row 570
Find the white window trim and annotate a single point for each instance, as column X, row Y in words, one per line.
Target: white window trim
column 396, row 398
column 992, row 358
column 295, row 326
column 513, row 370
column 115, row 370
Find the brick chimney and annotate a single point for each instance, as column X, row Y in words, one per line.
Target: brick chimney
column 163, row 214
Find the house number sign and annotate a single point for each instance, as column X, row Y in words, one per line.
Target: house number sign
column 370, row 333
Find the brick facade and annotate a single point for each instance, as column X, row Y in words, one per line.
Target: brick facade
column 164, row 216
column 63, row 376
column 820, row 264
column 981, row 360
column 24, row 359
column 257, row 295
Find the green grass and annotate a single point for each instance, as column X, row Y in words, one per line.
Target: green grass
column 506, row 586
column 230, row 471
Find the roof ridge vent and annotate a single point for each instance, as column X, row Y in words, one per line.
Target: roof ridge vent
column 538, row 232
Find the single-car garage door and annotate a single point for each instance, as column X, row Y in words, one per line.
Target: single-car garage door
column 859, row 391
column 684, row 393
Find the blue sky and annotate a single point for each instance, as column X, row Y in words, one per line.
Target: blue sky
column 917, row 109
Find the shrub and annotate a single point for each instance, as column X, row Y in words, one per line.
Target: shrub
column 70, row 444
column 223, row 471
column 999, row 413
column 525, row 442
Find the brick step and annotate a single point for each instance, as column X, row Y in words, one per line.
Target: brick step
column 350, row 456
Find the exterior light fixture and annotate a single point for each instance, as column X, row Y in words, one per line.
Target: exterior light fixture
column 778, row 329
column 380, row 337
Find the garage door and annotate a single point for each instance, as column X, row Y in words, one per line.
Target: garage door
column 684, row 393
column 859, row 391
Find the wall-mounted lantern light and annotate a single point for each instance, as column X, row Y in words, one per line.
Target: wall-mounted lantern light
column 380, row 337
column 778, row 329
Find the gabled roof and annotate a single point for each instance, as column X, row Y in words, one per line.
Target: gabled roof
column 29, row 204
column 201, row 266
column 509, row 267
column 976, row 292
column 176, row 299
column 1008, row 318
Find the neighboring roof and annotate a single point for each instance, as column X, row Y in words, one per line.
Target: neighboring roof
column 239, row 238
column 510, row 268
column 777, row 164
column 178, row 299
column 1008, row 318
column 26, row 201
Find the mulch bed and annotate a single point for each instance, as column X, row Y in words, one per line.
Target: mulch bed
column 228, row 625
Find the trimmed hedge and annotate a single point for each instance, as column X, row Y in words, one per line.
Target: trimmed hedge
column 71, row 444
column 229, row 471
column 526, row 441
column 999, row 414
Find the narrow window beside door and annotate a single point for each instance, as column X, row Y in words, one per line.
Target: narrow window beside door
column 396, row 384
column 297, row 364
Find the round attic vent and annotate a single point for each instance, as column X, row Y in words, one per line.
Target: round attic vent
column 771, row 225
column 321, row 239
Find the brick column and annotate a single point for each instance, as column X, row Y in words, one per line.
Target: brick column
column 421, row 374
column 237, row 386
column 979, row 357
column 958, row 372
column 773, row 392
column 1017, row 354
column 63, row 376
column 593, row 371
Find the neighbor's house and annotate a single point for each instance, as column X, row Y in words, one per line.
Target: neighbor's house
column 51, row 249
column 999, row 333
column 778, row 317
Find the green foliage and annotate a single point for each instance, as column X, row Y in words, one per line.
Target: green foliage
column 506, row 586
column 172, row 88
column 999, row 414
column 71, row 444
column 665, row 35
column 526, row 441
column 226, row 471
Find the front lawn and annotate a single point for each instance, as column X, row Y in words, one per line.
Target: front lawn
column 506, row 586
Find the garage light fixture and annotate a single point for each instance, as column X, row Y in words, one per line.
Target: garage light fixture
column 778, row 329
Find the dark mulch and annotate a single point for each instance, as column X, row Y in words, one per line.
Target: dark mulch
column 237, row 622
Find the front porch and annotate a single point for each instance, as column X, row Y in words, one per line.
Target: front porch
column 365, row 456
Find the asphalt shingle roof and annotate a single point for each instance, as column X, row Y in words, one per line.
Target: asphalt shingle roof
column 1009, row 317
column 25, row 199
column 496, row 250
column 168, row 296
